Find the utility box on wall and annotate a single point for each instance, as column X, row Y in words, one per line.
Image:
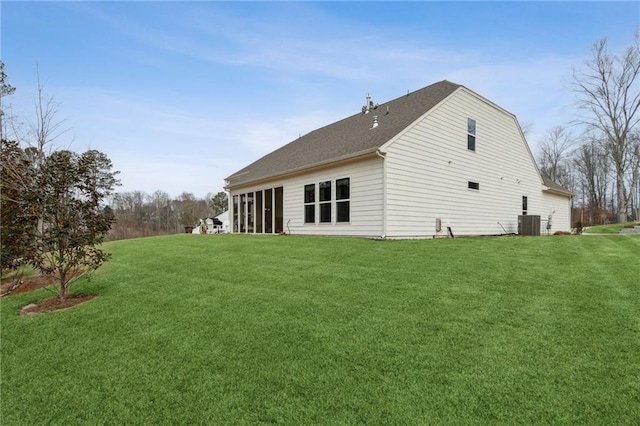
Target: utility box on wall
column 529, row 225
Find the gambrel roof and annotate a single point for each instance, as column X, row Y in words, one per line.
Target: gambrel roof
column 347, row 138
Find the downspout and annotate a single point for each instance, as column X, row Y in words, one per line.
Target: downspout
column 384, row 193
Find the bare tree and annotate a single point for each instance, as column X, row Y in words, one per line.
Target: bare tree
column 593, row 170
column 607, row 92
column 138, row 214
column 526, row 127
column 191, row 208
column 554, row 158
column 162, row 213
column 47, row 127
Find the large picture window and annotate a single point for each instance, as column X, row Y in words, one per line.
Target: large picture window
column 321, row 202
column 310, row 203
column 324, row 189
column 342, row 200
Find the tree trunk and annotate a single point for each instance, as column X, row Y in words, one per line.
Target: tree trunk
column 622, row 198
column 64, row 286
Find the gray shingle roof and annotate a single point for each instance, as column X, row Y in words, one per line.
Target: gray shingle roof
column 350, row 137
column 546, row 180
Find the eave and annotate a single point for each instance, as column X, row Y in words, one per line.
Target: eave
column 347, row 159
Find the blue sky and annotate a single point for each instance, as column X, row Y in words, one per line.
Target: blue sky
column 182, row 94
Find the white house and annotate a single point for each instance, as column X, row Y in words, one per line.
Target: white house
column 439, row 160
column 224, row 219
column 209, row 225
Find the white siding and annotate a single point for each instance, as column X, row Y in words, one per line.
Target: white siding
column 366, row 199
column 425, row 177
column 558, row 208
column 429, row 166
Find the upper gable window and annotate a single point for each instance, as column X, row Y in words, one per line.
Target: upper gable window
column 471, row 134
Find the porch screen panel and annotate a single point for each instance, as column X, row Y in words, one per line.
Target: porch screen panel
column 268, row 211
column 259, row 212
column 279, row 210
column 250, row 214
column 235, row 213
column 242, row 213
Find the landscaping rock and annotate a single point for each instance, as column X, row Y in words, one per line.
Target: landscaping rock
column 27, row 310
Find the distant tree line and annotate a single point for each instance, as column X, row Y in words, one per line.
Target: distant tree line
column 597, row 156
column 139, row 214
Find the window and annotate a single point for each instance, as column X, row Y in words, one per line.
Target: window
column 524, row 205
column 342, row 200
column 325, row 201
column 471, row 134
column 474, row 185
column 310, row 203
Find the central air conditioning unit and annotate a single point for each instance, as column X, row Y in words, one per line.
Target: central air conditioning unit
column 529, row 225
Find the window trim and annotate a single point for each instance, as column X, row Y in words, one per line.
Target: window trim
column 343, row 201
column 329, row 202
column 324, row 202
column 311, row 203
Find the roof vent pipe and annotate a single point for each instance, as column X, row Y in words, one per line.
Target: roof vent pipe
column 368, row 104
column 375, row 122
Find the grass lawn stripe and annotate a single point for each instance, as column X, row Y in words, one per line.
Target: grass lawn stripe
column 239, row 329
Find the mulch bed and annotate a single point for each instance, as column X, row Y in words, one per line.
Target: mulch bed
column 53, row 303
column 50, row 304
column 28, row 284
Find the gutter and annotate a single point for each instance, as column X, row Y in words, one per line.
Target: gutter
column 302, row 169
column 558, row 192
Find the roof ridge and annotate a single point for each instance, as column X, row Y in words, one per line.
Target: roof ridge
column 346, row 136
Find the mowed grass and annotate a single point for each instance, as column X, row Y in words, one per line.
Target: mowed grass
column 613, row 228
column 232, row 329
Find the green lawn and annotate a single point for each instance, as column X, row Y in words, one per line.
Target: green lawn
column 233, row 329
column 613, row 228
